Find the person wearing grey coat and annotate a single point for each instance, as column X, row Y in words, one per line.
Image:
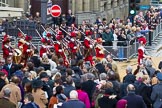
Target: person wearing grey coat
column 156, row 95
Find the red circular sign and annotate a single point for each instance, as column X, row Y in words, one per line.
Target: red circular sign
column 55, row 11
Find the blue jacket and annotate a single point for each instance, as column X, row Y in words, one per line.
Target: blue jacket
column 156, row 95
column 31, row 105
column 73, row 104
column 134, row 101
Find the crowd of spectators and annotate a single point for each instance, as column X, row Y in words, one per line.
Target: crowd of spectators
column 48, row 83
column 80, row 85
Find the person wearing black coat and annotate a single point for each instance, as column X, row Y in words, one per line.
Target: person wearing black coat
column 134, row 101
column 35, row 59
column 46, row 87
column 145, row 91
column 29, row 101
column 89, row 86
column 108, row 100
column 100, row 67
column 10, row 67
column 2, row 80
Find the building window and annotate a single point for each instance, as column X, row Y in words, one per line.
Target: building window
column 105, row 6
column 118, row 2
column 112, row 4
column 3, row 2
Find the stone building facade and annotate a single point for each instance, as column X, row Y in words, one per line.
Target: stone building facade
column 91, row 9
column 88, row 9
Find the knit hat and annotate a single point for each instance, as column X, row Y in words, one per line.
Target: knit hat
column 48, row 34
column 122, row 103
column 43, row 75
column 37, row 83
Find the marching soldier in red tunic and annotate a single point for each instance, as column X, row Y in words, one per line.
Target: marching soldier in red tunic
column 43, row 49
column 7, row 50
column 141, row 53
column 21, row 41
column 100, row 49
column 59, row 50
column 141, row 50
column 88, row 47
column 6, row 37
column 73, row 45
column 27, row 50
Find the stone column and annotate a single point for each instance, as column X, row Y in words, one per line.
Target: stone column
column 109, row 4
column 96, row 5
column 91, row 5
column 11, row 3
column 78, row 6
column 44, row 11
column 21, row 3
column 86, row 5
column 73, row 7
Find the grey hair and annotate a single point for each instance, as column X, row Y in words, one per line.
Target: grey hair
column 148, row 63
column 129, row 69
column 130, row 87
column 7, row 92
column 73, row 94
column 90, row 76
column 103, row 76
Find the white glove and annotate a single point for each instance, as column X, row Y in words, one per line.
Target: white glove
column 10, row 53
column 27, row 43
column 20, row 47
column 91, row 46
column 72, row 39
column 75, row 47
column 60, row 50
column 28, row 50
column 101, row 52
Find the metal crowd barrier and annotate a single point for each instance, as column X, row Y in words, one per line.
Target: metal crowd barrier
column 122, row 52
column 157, row 31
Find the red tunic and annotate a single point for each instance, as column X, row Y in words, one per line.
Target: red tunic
column 99, row 52
column 60, row 52
column 20, row 43
column 73, row 47
column 88, row 50
column 27, row 52
column 6, row 51
column 140, row 54
column 43, row 50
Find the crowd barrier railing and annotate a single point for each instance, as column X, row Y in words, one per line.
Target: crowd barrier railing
column 157, row 31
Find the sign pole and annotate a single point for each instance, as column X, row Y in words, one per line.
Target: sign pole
column 55, row 12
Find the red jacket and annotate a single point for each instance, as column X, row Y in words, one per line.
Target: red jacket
column 6, row 51
column 140, row 54
column 88, row 52
column 72, row 46
column 87, row 43
column 27, row 52
column 43, row 50
column 58, row 49
column 20, row 43
column 99, row 52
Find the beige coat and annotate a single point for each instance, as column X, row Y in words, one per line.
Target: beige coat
column 15, row 96
column 40, row 98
